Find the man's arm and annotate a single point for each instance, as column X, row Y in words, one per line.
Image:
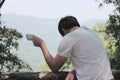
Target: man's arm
column 54, row 63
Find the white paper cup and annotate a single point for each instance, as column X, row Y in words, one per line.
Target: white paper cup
column 29, row 36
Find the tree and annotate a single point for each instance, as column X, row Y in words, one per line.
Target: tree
column 108, row 42
column 8, row 44
column 113, row 29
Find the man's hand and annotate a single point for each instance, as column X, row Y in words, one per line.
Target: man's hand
column 37, row 41
column 54, row 63
column 70, row 76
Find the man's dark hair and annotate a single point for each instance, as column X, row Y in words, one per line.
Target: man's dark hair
column 67, row 22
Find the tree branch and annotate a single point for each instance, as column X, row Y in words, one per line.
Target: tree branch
column 1, row 3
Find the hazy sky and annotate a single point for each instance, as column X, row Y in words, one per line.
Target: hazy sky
column 82, row 9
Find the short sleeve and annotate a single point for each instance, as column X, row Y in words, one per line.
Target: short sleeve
column 66, row 46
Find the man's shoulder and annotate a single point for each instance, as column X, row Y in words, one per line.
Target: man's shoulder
column 84, row 27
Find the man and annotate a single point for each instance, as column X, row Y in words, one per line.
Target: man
column 84, row 48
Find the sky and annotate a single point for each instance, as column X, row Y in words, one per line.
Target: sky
column 82, row 9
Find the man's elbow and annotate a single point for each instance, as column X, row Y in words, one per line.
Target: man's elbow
column 54, row 70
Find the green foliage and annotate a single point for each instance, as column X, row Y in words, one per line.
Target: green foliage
column 112, row 34
column 67, row 66
column 44, row 67
column 8, row 42
column 108, row 42
column 116, row 3
column 113, row 30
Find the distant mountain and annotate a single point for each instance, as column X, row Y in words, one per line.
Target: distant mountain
column 91, row 23
column 29, row 23
column 45, row 28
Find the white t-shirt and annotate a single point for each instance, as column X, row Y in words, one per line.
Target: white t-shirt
column 87, row 54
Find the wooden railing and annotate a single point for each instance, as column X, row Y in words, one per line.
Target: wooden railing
column 44, row 76
column 34, row 76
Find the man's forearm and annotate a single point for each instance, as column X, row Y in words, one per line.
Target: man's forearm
column 48, row 57
column 54, row 63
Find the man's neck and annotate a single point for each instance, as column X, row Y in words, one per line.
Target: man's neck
column 74, row 28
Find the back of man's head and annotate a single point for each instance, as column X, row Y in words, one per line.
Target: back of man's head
column 67, row 22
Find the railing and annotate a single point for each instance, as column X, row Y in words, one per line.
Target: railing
column 35, row 76
column 44, row 75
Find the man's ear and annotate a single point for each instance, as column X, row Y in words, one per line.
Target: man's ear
column 63, row 30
